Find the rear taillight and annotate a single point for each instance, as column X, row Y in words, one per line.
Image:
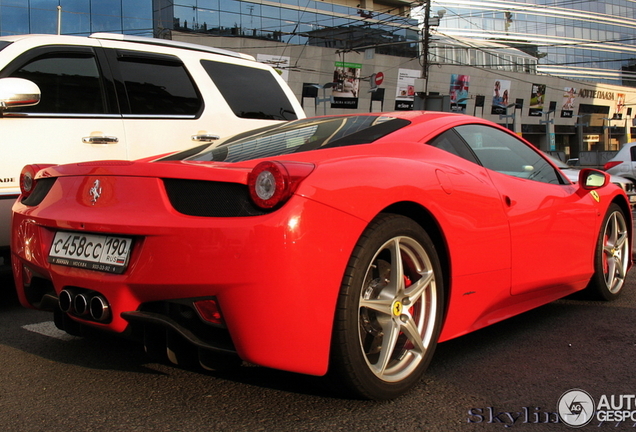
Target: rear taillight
column 611, row 164
column 271, row 183
column 28, row 180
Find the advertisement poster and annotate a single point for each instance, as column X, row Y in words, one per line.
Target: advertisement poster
column 537, row 99
column 406, row 89
column 569, row 98
column 346, row 78
column 459, row 85
column 279, row 63
column 620, row 103
column 500, row 96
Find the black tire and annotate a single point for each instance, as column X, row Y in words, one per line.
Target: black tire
column 374, row 302
column 611, row 256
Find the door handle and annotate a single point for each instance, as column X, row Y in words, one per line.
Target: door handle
column 100, row 140
column 205, row 137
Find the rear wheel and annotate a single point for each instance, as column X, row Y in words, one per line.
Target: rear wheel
column 390, row 310
column 612, row 256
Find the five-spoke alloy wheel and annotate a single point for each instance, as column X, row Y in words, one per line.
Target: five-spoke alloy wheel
column 612, row 256
column 390, row 309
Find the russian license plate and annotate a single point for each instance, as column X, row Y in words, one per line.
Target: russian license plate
column 90, row 251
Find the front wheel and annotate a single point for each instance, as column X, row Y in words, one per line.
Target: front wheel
column 612, row 256
column 389, row 311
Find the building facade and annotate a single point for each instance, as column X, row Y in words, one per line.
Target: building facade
column 588, row 40
column 342, row 57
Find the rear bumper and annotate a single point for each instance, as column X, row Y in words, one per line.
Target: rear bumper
column 276, row 277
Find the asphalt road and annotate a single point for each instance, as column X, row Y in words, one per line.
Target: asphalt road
column 511, row 374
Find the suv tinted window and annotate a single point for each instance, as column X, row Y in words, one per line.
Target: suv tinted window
column 158, row 85
column 69, row 82
column 239, row 85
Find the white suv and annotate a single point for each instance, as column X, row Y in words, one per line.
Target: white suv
column 624, row 163
column 107, row 96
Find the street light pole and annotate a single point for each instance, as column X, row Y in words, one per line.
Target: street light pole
column 59, row 20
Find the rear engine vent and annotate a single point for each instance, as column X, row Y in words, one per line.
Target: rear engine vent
column 42, row 188
column 210, row 199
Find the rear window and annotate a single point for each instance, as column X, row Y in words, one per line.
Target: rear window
column 250, row 92
column 158, row 85
column 297, row 136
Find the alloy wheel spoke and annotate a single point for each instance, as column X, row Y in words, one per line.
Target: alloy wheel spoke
column 416, row 290
column 612, row 226
column 380, row 305
column 391, row 334
column 621, row 239
column 413, row 335
column 397, row 269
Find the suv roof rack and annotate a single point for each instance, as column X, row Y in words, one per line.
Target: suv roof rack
column 170, row 43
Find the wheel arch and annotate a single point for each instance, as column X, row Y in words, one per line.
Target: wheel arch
column 423, row 217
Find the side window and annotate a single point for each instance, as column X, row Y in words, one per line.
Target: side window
column 250, row 92
column 632, row 150
column 451, row 142
column 502, row 152
column 69, row 80
column 158, row 85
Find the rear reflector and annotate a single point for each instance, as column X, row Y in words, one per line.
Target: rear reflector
column 209, row 311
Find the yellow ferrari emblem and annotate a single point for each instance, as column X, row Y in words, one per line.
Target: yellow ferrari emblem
column 595, row 196
column 397, row 308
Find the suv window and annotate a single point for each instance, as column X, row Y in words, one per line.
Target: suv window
column 69, row 81
column 4, row 44
column 239, row 85
column 502, row 152
column 158, row 85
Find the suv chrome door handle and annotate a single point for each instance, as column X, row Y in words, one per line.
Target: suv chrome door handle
column 205, row 137
column 100, row 140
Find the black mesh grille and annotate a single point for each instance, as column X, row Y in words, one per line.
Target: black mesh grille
column 211, row 199
column 42, row 187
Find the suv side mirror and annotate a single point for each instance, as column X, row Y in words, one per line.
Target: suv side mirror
column 591, row 179
column 18, row 92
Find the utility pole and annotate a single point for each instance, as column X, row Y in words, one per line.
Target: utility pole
column 421, row 85
column 427, row 41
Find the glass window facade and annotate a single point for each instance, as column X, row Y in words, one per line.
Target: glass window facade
column 78, row 17
column 574, row 39
column 317, row 23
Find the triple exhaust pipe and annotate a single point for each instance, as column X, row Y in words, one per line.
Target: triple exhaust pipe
column 82, row 304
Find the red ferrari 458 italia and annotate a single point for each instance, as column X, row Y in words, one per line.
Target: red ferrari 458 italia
column 347, row 244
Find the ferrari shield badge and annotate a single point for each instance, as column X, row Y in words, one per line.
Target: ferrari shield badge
column 595, row 196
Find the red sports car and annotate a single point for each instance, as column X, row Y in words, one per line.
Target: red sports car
column 346, row 244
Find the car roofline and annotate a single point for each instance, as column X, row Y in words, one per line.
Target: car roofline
column 170, row 43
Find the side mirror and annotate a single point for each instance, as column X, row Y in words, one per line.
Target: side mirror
column 18, row 92
column 591, row 179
